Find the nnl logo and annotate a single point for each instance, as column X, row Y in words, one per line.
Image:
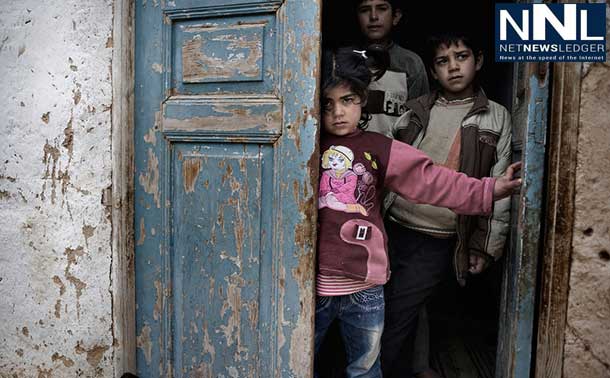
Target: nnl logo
column 550, row 32
column 543, row 15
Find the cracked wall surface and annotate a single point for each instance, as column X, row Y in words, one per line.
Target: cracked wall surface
column 587, row 341
column 55, row 252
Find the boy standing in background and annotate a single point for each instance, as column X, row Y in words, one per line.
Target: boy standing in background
column 405, row 76
column 464, row 131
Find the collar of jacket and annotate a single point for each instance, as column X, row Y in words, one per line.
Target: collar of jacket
column 421, row 106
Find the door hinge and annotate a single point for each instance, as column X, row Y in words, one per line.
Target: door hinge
column 107, row 199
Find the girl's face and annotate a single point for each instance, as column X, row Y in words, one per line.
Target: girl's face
column 341, row 110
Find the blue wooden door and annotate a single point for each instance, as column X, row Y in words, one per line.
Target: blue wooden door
column 226, row 167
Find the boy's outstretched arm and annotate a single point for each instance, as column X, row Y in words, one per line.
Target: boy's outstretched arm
column 506, row 184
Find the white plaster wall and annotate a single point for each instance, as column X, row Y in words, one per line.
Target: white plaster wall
column 587, row 345
column 55, row 153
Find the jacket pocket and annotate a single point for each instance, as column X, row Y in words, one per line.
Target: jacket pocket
column 487, row 150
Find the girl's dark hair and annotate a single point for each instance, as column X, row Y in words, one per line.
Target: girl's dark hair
column 352, row 67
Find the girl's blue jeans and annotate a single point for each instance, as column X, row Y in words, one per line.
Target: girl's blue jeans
column 360, row 317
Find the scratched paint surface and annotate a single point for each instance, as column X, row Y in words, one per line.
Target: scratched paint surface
column 241, row 47
column 181, row 115
column 519, row 287
column 55, row 238
column 220, row 255
column 226, row 138
column 237, row 54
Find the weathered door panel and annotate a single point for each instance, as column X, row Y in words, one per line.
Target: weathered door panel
column 226, row 171
column 220, row 298
column 518, row 308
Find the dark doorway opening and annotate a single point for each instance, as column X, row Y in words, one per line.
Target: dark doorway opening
column 463, row 321
column 422, row 18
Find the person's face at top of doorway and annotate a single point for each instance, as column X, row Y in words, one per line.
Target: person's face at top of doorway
column 455, row 67
column 376, row 19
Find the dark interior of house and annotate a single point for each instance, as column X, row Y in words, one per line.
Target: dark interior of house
column 463, row 320
column 422, row 18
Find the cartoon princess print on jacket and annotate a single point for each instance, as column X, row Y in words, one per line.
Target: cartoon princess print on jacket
column 340, row 188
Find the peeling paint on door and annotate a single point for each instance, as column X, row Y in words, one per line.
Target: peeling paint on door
column 242, row 44
column 145, row 343
column 190, row 171
column 150, row 179
column 234, row 249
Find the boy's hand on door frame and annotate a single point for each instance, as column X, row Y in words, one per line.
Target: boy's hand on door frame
column 507, row 184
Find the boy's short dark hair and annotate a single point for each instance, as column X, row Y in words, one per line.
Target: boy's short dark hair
column 449, row 38
column 396, row 4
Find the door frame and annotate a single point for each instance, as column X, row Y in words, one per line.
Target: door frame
column 518, row 296
column 120, row 200
column 535, row 295
column 554, row 270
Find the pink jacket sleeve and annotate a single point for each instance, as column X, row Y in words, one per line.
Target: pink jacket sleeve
column 414, row 176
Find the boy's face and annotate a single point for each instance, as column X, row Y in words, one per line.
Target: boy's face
column 341, row 110
column 376, row 19
column 455, row 68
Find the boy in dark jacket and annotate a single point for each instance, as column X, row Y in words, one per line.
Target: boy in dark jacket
column 459, row 128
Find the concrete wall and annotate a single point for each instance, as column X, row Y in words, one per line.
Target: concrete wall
column 587, row 352
column 55, row 243
column 587, row 345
